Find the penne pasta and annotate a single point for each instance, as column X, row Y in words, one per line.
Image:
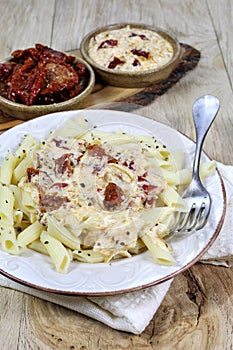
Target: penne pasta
column 29, row 234
column 8, row 239
column 22, row 167
column 92, row 196
column 7, row 169
column 171, row 198
column 38, row 246
column 6, row 205
column 159, row 250
column 59, row 232
column 60, row 256
column 88, row 256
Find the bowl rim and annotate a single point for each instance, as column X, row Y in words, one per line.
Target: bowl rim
column 160, row 31
column 23, row 107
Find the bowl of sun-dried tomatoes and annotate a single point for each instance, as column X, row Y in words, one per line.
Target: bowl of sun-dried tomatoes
column 40, row 80
column 131, row 55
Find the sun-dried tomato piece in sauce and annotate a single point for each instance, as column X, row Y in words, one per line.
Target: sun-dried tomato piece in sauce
column 50, row 202
column 32, row 172
column 115, row 62
column 147, row 188
column 141, row 53
column 142, row 36
column 59, row 185
column 96, row 151
column 136, row 63
column 113, row 196
column 108, row 44
column 63, row 164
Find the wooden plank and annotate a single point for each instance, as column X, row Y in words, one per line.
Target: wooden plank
column 24, row 23
column 222, row 14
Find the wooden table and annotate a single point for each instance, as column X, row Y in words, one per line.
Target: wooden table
column 197, row 311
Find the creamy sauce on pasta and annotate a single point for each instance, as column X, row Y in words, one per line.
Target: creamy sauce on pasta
column 97, row 190
column 130, row 49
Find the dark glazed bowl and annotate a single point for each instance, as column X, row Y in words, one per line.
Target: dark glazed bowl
column 21, row 111
column 128, row 78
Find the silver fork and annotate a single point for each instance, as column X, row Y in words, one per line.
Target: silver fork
column 197, row 198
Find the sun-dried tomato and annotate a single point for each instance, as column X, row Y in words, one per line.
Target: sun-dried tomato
column 129, row 164
column 115, row 62
column 48, row 53
column 113, row 196
column 59, row 185
column 63, row 164
column 142, row 36
column 50, row 202
column 74, row 91
column 42, row 75
column 6, row 70
column 27, row 82
column 80, row 69
column 59, row 77
column 148, row 188
column 136, row 62
column 112, row 160
column 96, row 151
column 31, row 172
column 108, row 44
column 141, row 53
column 22, row 55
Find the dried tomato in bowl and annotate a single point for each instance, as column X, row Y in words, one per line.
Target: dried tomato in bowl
column 42, row 76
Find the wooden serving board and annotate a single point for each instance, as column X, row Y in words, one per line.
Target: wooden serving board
column 103, row 93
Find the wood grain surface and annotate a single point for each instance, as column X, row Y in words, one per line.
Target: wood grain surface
column 197, row 311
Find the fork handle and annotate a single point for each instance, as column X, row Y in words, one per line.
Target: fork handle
column 205, row 109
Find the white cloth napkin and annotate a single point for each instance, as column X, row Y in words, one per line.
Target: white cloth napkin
column 132, row 312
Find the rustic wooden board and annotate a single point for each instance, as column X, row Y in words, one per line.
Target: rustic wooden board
column 103, row 93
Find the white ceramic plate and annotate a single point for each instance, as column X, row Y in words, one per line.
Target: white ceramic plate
column 36, row 270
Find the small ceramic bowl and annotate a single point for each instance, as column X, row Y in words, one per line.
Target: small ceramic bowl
column 130, row 78
column 24, row 112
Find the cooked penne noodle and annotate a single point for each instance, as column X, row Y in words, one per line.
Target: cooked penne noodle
column 27, row 143
column 29, row 234
column 38, row 246
column 172, row 199
column 88, row 256
column 206, row 169
column 60, row 256
column 8, row 239
column 22, row 167
column 28, row 203
column 6, row 205
column 74, row 127
column 18, row 217
column 158, row 249
column 59, row 232
column 7, row 169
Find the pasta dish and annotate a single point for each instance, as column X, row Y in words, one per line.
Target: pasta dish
column 92, row 196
